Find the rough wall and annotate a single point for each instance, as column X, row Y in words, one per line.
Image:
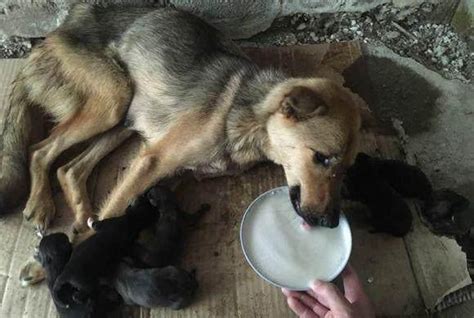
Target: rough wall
column 237, row 18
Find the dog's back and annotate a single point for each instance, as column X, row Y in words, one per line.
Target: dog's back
column 168, row 286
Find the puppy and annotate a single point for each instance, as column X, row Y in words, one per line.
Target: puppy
column 388, row 211
column 96, row 257
column 447, row 213
column 162, row 243
column 54, row 253
column 409, row 181
column 164, row 287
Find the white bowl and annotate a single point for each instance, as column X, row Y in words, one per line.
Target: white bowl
column 283, row 252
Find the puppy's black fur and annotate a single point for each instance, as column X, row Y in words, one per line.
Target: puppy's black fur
column 98, row 255
column 409, row 181
column 162, row 243
column 388, row 211
column 54, row 253
column 166, row 287
column 448, row 213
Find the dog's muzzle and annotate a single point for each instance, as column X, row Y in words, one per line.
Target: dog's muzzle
column 330, row 219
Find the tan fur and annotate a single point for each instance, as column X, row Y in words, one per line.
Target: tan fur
column 335, row 132
column 99, row 104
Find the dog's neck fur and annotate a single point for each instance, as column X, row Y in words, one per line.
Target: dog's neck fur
column 247, row 137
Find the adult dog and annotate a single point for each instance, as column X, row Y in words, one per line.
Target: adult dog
column 197, row 102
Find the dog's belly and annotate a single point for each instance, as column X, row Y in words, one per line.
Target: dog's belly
column 219, row 168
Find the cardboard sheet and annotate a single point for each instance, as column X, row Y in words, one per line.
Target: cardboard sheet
column 228, row 286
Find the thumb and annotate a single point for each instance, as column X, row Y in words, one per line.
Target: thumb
column 330, row 296
column 353, row 288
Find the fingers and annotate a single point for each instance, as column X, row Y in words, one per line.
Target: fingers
column 330, row 296
column 300, row 309
column 353, row 288
column 307, row 300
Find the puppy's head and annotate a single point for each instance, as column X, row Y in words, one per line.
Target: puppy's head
column 54, row 249
column 160, row 196
column 313, row 133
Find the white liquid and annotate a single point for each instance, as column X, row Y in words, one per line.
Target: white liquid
column 286, row 254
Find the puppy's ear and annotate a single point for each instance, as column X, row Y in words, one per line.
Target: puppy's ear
column 302, row 103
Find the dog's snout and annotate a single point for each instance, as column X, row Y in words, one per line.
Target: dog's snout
column 329, row 220
column 295, row 198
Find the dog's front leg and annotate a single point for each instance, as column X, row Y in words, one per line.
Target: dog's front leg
column 151, row 165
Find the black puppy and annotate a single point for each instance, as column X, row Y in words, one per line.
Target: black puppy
column 388, row 211
column 54, row 253
column 167, row 287
column 99, row 254
column 448, row 213
column 162, row 243
column 409, row 181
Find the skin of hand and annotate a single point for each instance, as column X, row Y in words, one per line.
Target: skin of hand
column 325, row 300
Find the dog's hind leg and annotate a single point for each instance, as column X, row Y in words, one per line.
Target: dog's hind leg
column 73, row 176
column 82, row 126
column 104, row 91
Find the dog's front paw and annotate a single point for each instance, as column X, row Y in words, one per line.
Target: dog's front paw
column 31, row 273
column 40, row 212
column 81, row 225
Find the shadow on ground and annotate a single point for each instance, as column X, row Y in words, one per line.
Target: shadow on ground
column 394, row 91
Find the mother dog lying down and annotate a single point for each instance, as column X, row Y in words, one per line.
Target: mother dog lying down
column 198, row 103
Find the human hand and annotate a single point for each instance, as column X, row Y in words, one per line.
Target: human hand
column 325, row 300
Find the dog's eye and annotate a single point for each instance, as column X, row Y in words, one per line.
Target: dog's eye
column 321, row 159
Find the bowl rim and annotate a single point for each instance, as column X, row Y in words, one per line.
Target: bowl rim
column 292, row 288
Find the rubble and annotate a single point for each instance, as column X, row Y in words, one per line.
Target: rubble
column 408, row 31
column 14, row 47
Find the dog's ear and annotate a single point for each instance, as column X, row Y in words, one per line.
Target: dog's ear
column 301, row 103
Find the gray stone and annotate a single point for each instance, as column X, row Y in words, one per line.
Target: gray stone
column 321, row 6
column 300, row 27
column 392, row 35
column 237, row 19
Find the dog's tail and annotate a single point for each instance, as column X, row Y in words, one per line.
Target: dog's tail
column 14, row 143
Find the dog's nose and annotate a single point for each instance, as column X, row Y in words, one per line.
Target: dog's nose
column 329, row 220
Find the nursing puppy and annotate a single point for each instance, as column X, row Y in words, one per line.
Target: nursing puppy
column 54, row 253
column 388, row 211
column 155, row 287
column 162, row 243
column 409, row 181
column 96, row 257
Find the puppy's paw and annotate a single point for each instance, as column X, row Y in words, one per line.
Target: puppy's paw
column 32, row 273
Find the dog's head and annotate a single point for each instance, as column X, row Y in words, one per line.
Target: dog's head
column 313, row 133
